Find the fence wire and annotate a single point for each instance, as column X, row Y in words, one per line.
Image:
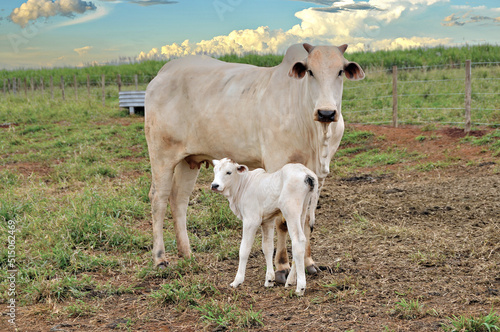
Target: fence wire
column 421, row 89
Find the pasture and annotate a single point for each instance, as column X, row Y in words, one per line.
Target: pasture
column 407, row 232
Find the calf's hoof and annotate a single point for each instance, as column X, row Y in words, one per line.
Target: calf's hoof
column 312, row 269
column 269, row 283
column 281, row 276
column 235, row 284
column 300, row 292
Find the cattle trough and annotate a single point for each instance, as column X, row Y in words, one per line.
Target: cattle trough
column 131, row 99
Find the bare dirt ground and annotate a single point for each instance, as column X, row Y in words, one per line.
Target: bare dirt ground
column 383, row 235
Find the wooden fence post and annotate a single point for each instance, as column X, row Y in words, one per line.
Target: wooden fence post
column 4, row 87
column 26, row 87
column 32, row 83
column 88, row 85
column 119, row 82
column 76, row 87
column 62, row 88
column 103, row 80
column 51, row 87
column 136, row 82
column 42, row 85
column 468, row 95
column 395, row 96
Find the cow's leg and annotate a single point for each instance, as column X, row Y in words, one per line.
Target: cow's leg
column 160, row 190
column 182, row 187
column 281, row 259
column 267, row 248
column 249, row 229
column 292, row 215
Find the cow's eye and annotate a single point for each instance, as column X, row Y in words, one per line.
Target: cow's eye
column 340, row 72
column 310, row 73
column 228, row 173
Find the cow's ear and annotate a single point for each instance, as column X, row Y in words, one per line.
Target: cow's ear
column 242, row 169
column 353, row 71
column 215, row 162
column 342, row 48
column 308, row 47
column 298, row 70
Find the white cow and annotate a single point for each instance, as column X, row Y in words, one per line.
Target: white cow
column 256, row 197
column 199, row 109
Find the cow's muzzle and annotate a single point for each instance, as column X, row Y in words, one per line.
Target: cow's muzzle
column 327, row 116
column 215, row 187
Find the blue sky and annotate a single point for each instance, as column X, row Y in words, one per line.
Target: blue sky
column 46, row 33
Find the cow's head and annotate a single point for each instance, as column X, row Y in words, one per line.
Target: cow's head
column 323, row 68
column 226, row 175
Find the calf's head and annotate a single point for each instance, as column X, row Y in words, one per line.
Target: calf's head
column 324, row 68
column 226, row 175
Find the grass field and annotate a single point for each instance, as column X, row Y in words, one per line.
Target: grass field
column 74, row 178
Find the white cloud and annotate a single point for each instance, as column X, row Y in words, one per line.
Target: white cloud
column 83, row 50
column 32, row 10
column 471, row 15
column 342, row 22
column 404, row 43
column 101, row 11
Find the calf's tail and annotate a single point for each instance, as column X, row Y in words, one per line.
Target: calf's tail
column 312, row 200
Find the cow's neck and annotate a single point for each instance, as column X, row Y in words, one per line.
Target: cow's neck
column 324, row 151
column 320, row 139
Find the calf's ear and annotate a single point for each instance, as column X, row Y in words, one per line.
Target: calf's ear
column 242, row 169
column 298, row 70
column 353, row 71
column 215, row 162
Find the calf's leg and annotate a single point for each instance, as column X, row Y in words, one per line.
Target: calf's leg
column 267, row 248
column 292, row 215
column 249, row 229
column 310, row 212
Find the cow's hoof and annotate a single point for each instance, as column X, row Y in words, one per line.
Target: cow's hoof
column 269, row 283
column 280, row 276
column 312, row 269
column 162, row 265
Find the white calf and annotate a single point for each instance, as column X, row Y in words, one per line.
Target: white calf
column 257, row 197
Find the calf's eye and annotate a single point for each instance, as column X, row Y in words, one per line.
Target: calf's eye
column 310, row 73
column 340, row 72
column 228, row 173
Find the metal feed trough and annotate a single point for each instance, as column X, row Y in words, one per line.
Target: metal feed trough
column 132, row 99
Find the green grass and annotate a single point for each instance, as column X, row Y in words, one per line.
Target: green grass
column 411, row 309
column 487, row 323
column 184, row 293
column 227, row 316
column 492, row 140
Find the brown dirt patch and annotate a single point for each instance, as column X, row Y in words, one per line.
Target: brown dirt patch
column 29, row 168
